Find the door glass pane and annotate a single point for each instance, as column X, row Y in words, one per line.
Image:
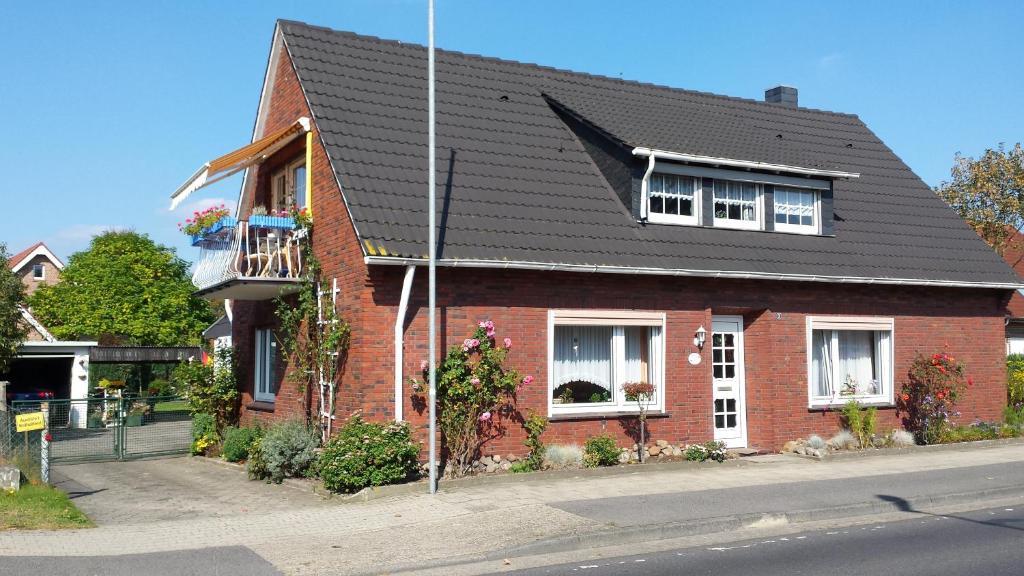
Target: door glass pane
column 719, row 421
column 730, row 371
column 718, row 405
column 299, row 175
column 730, row 421
column 717, row 370
column 729, row 340
column 730, row 405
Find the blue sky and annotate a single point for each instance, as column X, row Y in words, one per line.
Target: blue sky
column 108, row 106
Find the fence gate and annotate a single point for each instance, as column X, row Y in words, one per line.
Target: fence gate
column 103, row 429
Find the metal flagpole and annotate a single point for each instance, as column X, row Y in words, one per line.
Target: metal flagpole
column 431, row 248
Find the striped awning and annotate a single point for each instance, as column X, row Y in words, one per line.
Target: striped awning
column 239, row 160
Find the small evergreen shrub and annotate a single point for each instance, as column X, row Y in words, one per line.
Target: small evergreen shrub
column 535, row 425
column 563, row 456
column 860, row 422
column 844, row 440
column 1015, row 381
column 287, row 450
column 1014, row 416
column 237, row 442
column 160, row 387
column 368, row 454
column 815, row 441
column 600, row 451
column 901, row 438
column 204, row 433
column 255, row 466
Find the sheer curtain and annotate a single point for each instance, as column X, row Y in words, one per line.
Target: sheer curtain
column 856, row 360
column 821, row 363
column 583, row 353
column 643, row 354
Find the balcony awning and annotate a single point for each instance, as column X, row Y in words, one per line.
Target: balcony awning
column 239, row 160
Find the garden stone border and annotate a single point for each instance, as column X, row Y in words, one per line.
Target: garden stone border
column 894, row 451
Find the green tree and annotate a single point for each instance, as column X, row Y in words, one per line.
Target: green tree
column 989, row 193
column 12, row 329
column 126, row 285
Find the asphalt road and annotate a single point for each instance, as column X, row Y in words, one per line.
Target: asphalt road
column 989, row 542
column 223, row 561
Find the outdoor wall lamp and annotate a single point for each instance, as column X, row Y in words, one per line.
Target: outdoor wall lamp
column 699, row 337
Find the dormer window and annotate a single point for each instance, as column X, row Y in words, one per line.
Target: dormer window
column 796, row 210
column 38, row 272
column 737, row 205
column 673, row 199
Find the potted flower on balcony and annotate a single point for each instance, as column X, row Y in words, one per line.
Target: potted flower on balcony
column 206, row 223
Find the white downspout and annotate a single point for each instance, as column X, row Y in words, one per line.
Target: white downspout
column 644, row 186
column 403, row 305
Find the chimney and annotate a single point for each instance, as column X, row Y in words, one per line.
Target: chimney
column 785, row 95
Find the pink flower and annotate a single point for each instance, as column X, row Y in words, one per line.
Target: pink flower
column 423, row 365
column 486, row 416
column 482, row 325
column 508, row 342
column 466, row 345
column 527, row 380
column 474, row 381
column 473, row 343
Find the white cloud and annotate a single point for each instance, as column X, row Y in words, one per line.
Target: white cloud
column 200, row 204
column 831, row 61
column 76, row 238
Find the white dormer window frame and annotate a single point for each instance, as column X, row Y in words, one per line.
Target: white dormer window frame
column 741, row 205
column 38, row 272
column 790, row 209
column 666, row 190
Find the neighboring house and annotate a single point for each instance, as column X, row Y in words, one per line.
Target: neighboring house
column 44, row 362
column 606, row 227
column 1014, row 256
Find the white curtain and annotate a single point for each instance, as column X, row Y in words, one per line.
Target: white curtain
column 856, row 363
column 642, row 342
column 883, row 359
column 821, row 362
column 583, row 353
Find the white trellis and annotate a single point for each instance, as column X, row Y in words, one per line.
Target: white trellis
column 326, row 367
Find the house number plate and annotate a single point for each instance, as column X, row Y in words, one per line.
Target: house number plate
column 694, row 358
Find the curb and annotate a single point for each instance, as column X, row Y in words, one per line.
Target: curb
column 883, row 452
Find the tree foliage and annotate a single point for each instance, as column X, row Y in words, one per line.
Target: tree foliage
column 989, row 193
column 12, row 329
column 127, row 285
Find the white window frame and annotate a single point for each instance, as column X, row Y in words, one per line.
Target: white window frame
column 755, row 224
column 840, row 323
column 814, row 228
column 619, row 405
column 264, row 358
column 657, row 218
column 42, row 272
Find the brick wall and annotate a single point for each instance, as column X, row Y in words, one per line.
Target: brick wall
column 969, row 322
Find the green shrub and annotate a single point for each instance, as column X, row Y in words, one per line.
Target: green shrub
column 160, row 387
column 600, row 450
column 710, row 450
column 1014, row 416
column 204, row 433
column 237, row 442
column 860, row 422
column 535, row 425
column 255, row 467
column 287, row 450
column 210, row 388
column 368, row 454
column 1015, row 380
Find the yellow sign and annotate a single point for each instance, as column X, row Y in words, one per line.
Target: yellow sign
column 29, row 422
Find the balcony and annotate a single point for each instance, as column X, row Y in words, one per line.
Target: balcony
column 255, row 259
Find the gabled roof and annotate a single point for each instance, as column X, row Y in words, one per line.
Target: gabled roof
column 517, row 189
column 19, row 260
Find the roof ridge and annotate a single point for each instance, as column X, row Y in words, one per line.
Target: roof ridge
column 542, row 67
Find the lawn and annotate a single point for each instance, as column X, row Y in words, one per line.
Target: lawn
column 172, row 406
column 39, row 508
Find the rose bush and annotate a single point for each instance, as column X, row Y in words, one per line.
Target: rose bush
column 928, row 400
column 474, row 388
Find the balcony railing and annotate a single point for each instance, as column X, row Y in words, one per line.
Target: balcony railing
column 263, row 250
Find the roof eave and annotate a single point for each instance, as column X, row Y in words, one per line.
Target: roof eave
column 745, row 164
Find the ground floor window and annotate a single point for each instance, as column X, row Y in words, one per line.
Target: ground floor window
column 592, row 354
column 265, row 353
column 850, row 358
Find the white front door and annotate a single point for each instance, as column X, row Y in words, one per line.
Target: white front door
column 730, row 414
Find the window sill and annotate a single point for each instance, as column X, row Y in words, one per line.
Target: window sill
column 834, row 406
column 261, row 406
column 568, row 417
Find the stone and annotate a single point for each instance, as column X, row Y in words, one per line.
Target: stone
column 801, row 450
column 496, row 458
column 790, row 446
column 677, row 451
column 506, row 465
column 654, row 450
column 512, row 458
column 491, row 468
column 624, row 457
column 662, row 443
column 10, row 478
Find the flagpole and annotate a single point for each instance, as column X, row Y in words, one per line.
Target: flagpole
column 432, row 248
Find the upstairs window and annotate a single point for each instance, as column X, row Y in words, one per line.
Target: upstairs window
column 796, row 210
column 288, row 187
column 736, row 204
column 38, row 272
column 673, row 199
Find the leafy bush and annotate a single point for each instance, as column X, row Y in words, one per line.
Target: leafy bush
column 979, row 431
column 1015, row 381
column 1014, row 416
column 255, row 466
column 929, row 397
column 860, row 422
column 287, row 450
column 710, row 450
column 160, row 387
column 563, row 456
column 473, row 387
column 600, row 450
column 237, row 442
column 368, row 454
column 535, row 425
column 210, row 388
column 204, row 433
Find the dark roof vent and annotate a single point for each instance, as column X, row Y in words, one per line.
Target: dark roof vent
column 785, row 95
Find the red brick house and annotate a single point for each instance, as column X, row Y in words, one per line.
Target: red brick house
column 758, row 262
column 1013, row 254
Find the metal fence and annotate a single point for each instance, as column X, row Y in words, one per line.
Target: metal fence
column 103, row 429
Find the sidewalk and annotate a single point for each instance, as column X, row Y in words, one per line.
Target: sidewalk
column 486, row 517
